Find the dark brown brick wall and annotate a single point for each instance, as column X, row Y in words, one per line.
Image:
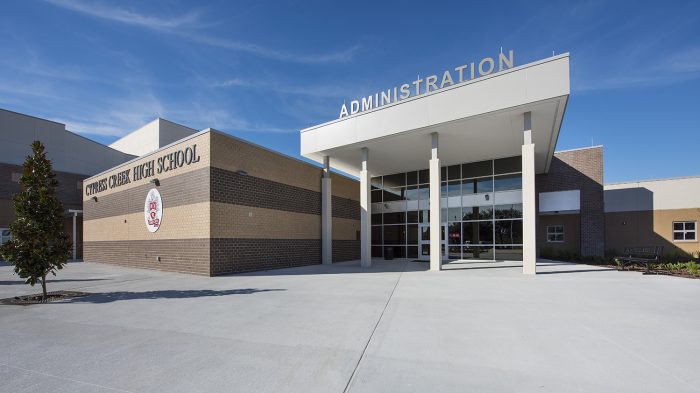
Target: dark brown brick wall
column 188, row 188
column 580, row 169
column 572, row 235
column 240, row 255
column 226, row 187
column 346, row 250
column 237, row 189
column 245, row 255
column 234, row 188
column 344, row 207
column 213, row 256
column 178, row 255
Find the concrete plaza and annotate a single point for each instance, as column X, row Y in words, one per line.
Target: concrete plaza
column 397, row 327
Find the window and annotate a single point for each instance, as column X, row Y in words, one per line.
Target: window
column 508, row 182
column 555, row 234
column 5, row 235
column 508, row 165
column 684, row 231
column 479, row 218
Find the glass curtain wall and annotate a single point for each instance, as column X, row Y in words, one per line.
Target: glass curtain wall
column 481, row 205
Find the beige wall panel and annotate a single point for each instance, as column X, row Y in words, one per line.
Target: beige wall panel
column 235, row 221
column 663, row 225
column 648, row 228
column 345, row 229
column 662, row 194
column 203, row 151
column 179, row 222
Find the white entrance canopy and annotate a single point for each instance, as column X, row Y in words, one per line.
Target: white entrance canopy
column 515, row 112
column 477, row 120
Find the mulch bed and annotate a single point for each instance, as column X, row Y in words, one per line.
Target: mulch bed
column 36, row 298
column 664, row 272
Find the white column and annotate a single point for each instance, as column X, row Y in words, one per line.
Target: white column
column 529, row 213
column 365, row 213
column 435, row 222
column 326, row 214
column 75, row 236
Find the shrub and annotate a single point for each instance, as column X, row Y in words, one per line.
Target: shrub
column 677, row 256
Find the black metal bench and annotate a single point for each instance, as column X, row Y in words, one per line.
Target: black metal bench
column 640, row 255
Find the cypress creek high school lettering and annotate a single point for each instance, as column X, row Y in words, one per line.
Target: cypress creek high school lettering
column 420, row 86
column 164, row 163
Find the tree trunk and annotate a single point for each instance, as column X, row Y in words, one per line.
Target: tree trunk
column 43, row 287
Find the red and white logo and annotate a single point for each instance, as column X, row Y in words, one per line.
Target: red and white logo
column 153, row 210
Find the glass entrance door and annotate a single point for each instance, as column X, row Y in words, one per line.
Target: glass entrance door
column 424, row 241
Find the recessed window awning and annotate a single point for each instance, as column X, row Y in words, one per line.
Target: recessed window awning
column 560, row 202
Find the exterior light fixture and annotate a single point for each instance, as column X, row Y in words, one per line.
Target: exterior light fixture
column 242, row 172
column 486, row 196
column 94, row 198
column 156, row 182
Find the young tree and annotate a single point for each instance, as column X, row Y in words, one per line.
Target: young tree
column 38, row 245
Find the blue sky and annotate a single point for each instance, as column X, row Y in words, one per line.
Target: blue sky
column 265, row 70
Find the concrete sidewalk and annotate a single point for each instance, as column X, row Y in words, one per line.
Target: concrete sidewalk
column 396, row 327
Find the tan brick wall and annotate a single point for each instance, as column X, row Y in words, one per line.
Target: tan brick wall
column 268, row 218
column 114, row 227
column 648, row 228
column 179, row 222
column 187, row 188
column 344, row 187
column 345, row 229
column 235, row 221
column 233, row 155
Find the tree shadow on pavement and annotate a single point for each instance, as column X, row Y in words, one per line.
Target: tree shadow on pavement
column 108, row 297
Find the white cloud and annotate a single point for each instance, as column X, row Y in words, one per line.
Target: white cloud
column 676, row 67
column 202, row 115
column 185, row 26
column 313, row 91
column 123, row 116
column 129, row 17
column 687, row 61
column 90, row 128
